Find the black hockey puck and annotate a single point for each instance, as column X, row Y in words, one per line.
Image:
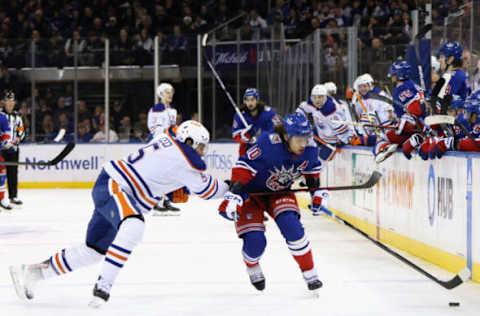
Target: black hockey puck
column 454, row 304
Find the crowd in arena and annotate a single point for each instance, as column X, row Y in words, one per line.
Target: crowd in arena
column 132, row 25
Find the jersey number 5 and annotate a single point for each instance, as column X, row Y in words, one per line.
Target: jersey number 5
column 163, row 142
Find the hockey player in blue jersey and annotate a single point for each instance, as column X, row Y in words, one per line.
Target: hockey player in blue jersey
column 470, row 119
column 272, row 164
column 124, row 190
column 453, row 85
column 259, row 118
column 409, row 106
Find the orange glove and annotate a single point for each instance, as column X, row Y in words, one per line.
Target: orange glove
column 179, row 196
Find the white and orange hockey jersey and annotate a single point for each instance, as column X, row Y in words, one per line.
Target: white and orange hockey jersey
column 161, row 167
column 161, row 117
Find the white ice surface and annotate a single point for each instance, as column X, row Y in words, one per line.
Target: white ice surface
column 191, row 265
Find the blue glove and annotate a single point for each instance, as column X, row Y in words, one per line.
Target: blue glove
column 319, row 202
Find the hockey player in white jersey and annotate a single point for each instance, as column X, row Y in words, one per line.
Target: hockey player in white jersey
column 326, row 114
column 160, row 117
column 124, row 190
column 370, row 107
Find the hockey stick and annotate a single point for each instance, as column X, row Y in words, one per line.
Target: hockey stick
column 66, row 150
column 460, row 278
column 374, row 178
column 242, row 118
column 363, row 124
column 416, row 43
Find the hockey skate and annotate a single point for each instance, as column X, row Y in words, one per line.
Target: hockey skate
column 256, row 277
column 24, row 278
column 385, row 152
column 167, row 209
column 101, row 293
column 5, row 204
column 313, row 283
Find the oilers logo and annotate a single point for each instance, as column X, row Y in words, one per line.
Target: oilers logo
column 281, row 179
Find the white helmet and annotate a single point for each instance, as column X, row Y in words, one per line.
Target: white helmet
column 319, row 90
column 363, row 79
column 331, row 87
column 195, row 131
column 435, row 64
column 163, row 88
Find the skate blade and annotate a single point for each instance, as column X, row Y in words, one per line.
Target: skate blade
column 165, row 214
column 315, row 293
column 16, row 280
column 96, row 302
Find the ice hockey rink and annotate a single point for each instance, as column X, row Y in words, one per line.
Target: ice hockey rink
column 191, row 265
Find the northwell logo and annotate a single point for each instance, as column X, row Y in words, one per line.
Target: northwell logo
column 67, row 164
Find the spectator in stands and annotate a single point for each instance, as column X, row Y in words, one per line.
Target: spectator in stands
column 141, row 126
column 97, row 26
column 162, row 47
column 87, row 19
column 257, row 24
column 65, row 123
column 117, row 114
column 7, row 80
column 292, row 25
column 56, row 52
column 112, row 27
column 48, row 130
column 93, row 50
column 83, row 135
column 279, row 13
column 40, row 51
column 144, row 48
column 44, row 109
column 100, row 136
column 123, row 48
column 83, row 111
column 177, row 46
column 40, row 24
column 96, row 117
column 125, row 130
column 81, row 45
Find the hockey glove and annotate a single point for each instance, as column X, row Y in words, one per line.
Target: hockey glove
column 423, row 150
column 179, row 196
column 442, row 146
column 245, row 134
column 319, row 201
column 231, row 206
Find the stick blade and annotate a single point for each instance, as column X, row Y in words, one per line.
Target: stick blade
column 439, row 119
column 374, row 178
column 460, row 278
column 62, row 155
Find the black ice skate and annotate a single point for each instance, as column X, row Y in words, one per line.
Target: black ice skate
column 256, row 277
column 101, row 293
column 167, row 209
column 313, row 283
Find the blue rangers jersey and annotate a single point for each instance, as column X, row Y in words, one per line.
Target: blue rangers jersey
column 474, row 128
column 456, row 85
column 269, row 166
column 4, row 130
column 263, row 122
column 408, row 97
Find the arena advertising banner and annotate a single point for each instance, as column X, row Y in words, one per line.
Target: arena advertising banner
column 424, row 207
column 82, row 166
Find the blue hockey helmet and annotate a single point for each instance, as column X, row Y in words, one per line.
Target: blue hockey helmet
column 251, row 92
column 451, row 49
column 401, row 69
column 297, row 124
